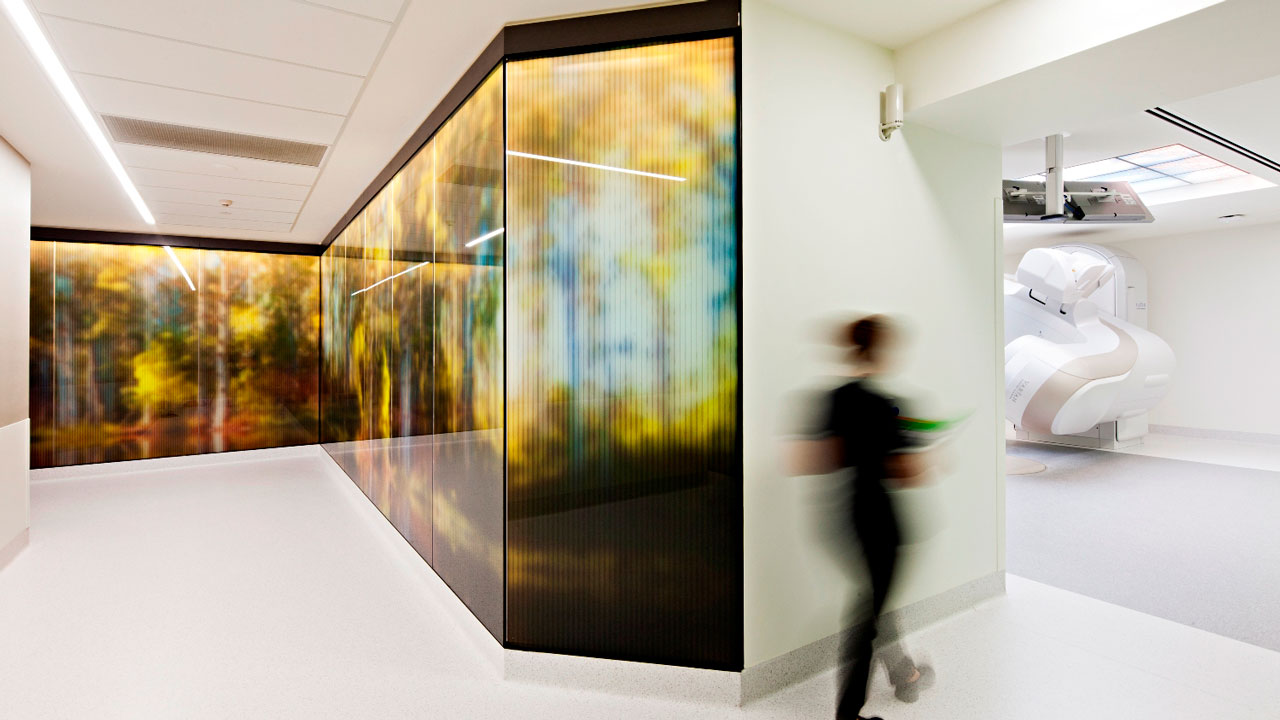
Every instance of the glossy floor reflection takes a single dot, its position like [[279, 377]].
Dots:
[[444, 494], [263, 585]]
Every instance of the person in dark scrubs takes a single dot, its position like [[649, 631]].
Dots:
[[862, 434]]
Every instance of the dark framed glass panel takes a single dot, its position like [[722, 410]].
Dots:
[[624, 491], [148, 352]]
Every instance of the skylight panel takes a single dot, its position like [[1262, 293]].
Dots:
[[1160, 183], [1132, 175], [1187, 165], [1222, 172], [1094, 169], [1169, 153]]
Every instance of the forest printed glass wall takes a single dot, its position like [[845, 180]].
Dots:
[[412, 352], [624, 488], [139, 354]]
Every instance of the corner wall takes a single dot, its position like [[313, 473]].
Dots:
[[1210, 296], [15, 298], [837, 222]]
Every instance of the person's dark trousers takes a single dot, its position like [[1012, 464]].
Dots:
[[876, 526]]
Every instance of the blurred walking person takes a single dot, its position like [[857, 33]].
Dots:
[[862, 433]]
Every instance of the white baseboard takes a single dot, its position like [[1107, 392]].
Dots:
[[1231, 435], [822, 655]]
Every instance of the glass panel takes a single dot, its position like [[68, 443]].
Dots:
[[142, 364], [624, 492], [1161, 183], [1222, 172], [1165, 154], [1191, 164], [469, 492], [414, 352], [1131, 175], [43, 358], [1093, 169]]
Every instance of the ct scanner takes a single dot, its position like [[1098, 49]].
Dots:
[[1080, 366]]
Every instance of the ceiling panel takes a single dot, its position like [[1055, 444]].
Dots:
[[111, 96], [888, 24], [220, 213], [191, 198], [210, 183], [145, 156], [1244, 114], [267, 28], [380, 9], [228, 223], [99, 50]]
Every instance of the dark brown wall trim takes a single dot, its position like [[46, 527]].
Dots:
[[179, 241], [553, 37]]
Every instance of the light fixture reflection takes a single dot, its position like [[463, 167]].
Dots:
[[482, 238], [174, 257], [39, 45], [579, 163], [392, 277]]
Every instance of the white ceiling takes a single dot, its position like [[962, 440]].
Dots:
[[356, 75], [1244, 114], [888, 23]]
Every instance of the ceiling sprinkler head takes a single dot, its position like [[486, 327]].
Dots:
[[225, 203]]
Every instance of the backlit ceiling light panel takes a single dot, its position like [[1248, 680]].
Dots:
[[22, 19], [1163, 168]]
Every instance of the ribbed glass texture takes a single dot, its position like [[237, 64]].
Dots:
[[413, 352], [129, 361], [624, 492]]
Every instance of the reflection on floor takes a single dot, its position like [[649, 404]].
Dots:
[[264, 585], [1188, 541]]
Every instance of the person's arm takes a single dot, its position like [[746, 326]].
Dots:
[[824, 453], [908, 469], [815, 457]]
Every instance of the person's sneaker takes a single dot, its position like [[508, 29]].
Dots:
[[909, 692]]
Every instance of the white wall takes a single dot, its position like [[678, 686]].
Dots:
[[15, 338], [1212, 297], [837, 221]]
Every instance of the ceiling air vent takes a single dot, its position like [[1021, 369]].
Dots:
[[218, 142]]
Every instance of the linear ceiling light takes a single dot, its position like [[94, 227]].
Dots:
[[482, 238], [39, 45], [174, 257], [579, 163], [393, 277]]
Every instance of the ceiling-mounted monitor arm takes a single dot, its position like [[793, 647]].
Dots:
[[1054, 192]]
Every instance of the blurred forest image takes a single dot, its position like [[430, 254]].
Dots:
[[624, 492], [129, 362], [412, 370]]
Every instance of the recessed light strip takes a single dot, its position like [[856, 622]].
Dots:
[[1213, 137], [579, 163], [392, 277], [174, 257], [482, 238], [39, 45]]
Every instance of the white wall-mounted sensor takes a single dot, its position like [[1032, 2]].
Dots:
[[890, 110]]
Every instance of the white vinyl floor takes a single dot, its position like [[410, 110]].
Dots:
[[261, 585]]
